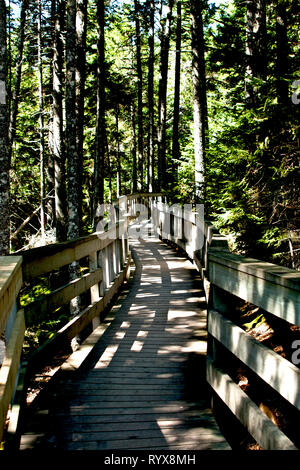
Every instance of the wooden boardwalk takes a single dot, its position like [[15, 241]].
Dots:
[[143, 384]]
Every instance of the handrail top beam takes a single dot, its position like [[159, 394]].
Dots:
[[262, 269], [54, 248], [8, 267]]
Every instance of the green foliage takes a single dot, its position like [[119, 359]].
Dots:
[[252, 161], [35, 292], [258, 320]]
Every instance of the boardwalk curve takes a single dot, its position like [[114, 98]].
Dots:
[[143, 384]]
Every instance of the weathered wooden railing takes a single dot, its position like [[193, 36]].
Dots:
[[106, 257], [227, 276]]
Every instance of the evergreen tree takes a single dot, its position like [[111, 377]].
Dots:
[[162, 95], [58, 147], [200, 105], [4, 154], [101, 111]]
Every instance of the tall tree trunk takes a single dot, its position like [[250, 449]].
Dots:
[[162, 98], [282, 52], [57, 125], [118, 156], [74, 189], [41, 123], [175, 136], [255, 46], [100, 125], [81, 25], [9, 60], [140, 97], [72, 154], [200, 106], [18, 74], [4, 155], [133, 150], [150, 98], [50, 184], [110, 193]]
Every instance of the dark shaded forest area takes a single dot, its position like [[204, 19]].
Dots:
[[197, 99]]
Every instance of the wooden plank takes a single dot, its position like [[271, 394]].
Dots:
[[9, 265], [258, 424], [95, 289], [35, 311], [17, 411], [191, 415], [113, 380], [278, 372], [183, 414], [128, 408], [274, 273], [210, 443], [93, 264], [10, 285], [99, 388], [9, 369], [280, 299], [175, 423], [180, 433]]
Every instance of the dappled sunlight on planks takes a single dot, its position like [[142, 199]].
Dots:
[[137, 346], [107, 356], [139, 388]]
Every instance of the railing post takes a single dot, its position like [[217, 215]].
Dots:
[[101, 263], [106, 276], [95, 294], [123, 244]]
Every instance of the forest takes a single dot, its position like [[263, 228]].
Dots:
[[197, 99]]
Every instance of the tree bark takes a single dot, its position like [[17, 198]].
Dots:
[[58, 147], [81, 26], [175, 136], [200, 106], [72, 154], [4, 154], [18, 74], [74, 189], [255, 46], [140, 97], [100, 125], [151, 162], [41, 123], [282, 52], [162, 99], [133, 149], [118, 155]]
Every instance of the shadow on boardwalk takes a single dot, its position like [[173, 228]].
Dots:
[[143, 385]]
